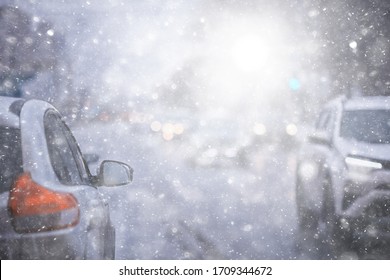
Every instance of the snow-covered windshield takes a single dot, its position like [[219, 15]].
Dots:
[[372, 126]]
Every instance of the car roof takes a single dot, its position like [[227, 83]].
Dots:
[[368, 103], [9, 112]]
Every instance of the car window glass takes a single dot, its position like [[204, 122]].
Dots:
[[323, 120], [329, 123], [82, 166], [10, 156], [372, 126], [61, 156]]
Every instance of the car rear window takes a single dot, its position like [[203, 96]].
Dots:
[[10, 157]]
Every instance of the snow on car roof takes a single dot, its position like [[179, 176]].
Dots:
[[368, 103], [7, 117]]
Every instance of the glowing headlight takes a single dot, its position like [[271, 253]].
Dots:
[[291, 129], [259, 129], [178, 128], [308, 170], [155, 126], [362, 163], [360, 169]]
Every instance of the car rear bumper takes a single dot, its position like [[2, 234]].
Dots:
[[64, 244]]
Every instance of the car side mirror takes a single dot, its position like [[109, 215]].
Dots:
[[321, 138], [114, 173]]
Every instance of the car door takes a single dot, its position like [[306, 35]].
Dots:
[[324, 133], [313, 161], [72, 172]]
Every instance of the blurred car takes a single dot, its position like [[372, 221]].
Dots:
[[50, 204], [277, 129], [219, 143], [343, 174], [172, 125]]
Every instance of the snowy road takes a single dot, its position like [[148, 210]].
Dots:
[[173, 211]]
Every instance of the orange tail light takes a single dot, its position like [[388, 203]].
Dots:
[[35, 208]]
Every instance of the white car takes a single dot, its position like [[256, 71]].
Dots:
[[343, 174], [50, 204]]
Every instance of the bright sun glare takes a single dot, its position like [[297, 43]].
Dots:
[[247, 62], [249, 53]]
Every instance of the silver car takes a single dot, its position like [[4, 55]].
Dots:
[[50, 204], [343, 174]]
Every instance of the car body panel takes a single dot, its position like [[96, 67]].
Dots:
[[92, 238], [7, 118]]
